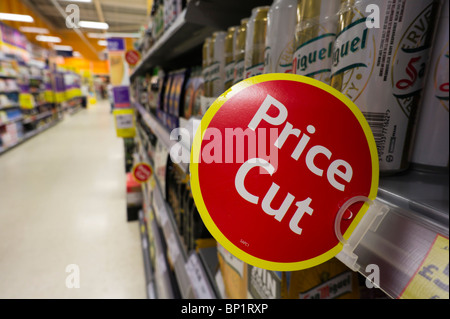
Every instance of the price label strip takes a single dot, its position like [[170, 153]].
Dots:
[[198, 278], [431, 279]]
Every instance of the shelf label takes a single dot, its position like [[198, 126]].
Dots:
[[174, 250], [197, 278], [274, 159], [431, 279], [142, 172], [125, 123]]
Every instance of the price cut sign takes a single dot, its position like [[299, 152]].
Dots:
[[142, 172], [274, 160]]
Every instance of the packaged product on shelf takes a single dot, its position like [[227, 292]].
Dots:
[[380, 64], [430, 151], [199, 92], [178, 104], [329, 280], [173, 92], [153, 89], [205, 66], [281, 22], [229, 57], [162, 79], [239, 52], [217, 66], [314, 38], [234, 274], [255, 42], [167, 92], [263, 283], [193, 91]]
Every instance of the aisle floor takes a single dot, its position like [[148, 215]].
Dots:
[[63, 214]]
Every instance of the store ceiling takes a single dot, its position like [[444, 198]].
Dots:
[[120, 15]]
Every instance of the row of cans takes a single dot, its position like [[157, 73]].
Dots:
[[384, 55]]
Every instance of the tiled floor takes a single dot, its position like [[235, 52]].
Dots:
[[63, 214]]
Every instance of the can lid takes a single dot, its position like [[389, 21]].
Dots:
[[233, 28], [244, 21]]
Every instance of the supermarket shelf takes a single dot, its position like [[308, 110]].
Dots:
[[186, 266], [163, 135], [161, 281], [4, 107], [16, 119], [188, 32], [417, 211], [151, 294], [38, 117], [29, 135]]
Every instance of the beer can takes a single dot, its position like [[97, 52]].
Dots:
[[229, 57], [205, 66], [379, 61], [217, 63], [314, 39], [239, 51], [280, 36], [431, 146], [255, 42]]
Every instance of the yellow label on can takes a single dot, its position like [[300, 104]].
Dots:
[[431, 279]]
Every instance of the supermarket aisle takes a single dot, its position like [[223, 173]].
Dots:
[[62, 202]]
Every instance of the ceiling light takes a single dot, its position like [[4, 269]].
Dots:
[[122, 35], [48, 38], [103, 43], [16, 17], [77, 0], [76, 54], [62, 48], [93, 25], [96, 35], [34, 30]]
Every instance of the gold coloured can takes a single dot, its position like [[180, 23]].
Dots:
[[205, 66], [314, 39], [380, 57], [239, 51], [217, 64], [255, 42], [229, 57]]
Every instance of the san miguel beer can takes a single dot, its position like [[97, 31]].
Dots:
[[255, 42], [431, 147], [380, 57], [205, 66], [314, 39], [281, 24], [239, 51], [217, 66], [229, 57]]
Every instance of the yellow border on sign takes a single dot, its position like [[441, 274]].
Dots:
[[134, 170], [195, 184]]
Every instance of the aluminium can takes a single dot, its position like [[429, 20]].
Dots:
[[217, 64], [255, 42], [281, 23], [431, 146], [239, 51], [314, 39], [380, 57], [229, 57], [205, 66]]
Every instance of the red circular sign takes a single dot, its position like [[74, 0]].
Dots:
[[277, 157], [132, 57], [142, 172]]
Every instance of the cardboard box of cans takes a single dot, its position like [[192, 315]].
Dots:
[[381, 54], [330, 280]]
